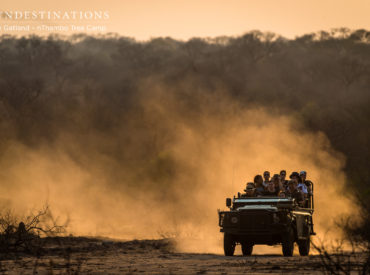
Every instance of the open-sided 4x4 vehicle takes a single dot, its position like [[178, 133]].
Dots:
[[266, 220]]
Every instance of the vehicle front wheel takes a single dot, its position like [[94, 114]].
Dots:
[[288, 243], [247, 249], [229, 244], [304, 246]]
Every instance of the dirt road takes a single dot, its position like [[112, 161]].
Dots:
[[94, 256]]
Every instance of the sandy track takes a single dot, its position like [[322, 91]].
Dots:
[[93, 256]]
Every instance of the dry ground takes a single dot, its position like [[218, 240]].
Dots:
[[95, 256]]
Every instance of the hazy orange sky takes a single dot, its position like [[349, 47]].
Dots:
[[182, 19]]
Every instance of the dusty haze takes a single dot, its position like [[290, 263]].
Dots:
[[167, 166]]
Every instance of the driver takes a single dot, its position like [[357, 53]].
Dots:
[[250, 190]]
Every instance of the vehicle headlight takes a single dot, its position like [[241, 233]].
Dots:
[[234, 219]]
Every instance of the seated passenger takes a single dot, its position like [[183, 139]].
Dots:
[[302, 187], [276, 181], [271, 190], [250, 191], [307, 183], [283, 181], [282, 194], [292, 190], [258, 180], [266, 176]]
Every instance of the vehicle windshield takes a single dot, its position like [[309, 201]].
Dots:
[[239, 202]]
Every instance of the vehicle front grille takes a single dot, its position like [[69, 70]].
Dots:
[[255, 221]]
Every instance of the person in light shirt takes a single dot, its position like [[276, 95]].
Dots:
[[307, 183]]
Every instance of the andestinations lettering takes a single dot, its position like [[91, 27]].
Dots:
[[54, 15]]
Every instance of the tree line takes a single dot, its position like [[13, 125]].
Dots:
[[54, 84]]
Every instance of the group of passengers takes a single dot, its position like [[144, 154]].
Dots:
[[298, 187]]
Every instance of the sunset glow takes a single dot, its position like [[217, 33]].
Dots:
[[145, 19]]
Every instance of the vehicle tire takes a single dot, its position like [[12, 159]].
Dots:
[[288, 243], [304, 246], [247, 249], [229, 244]]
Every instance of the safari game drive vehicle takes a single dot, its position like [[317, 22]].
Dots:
[[266, 220]]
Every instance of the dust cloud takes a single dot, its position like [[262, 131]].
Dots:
[[168, 167]]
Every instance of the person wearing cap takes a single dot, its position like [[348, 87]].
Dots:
[[294, 176], [250, 190], [309, 186], [301, 186], [307, 183], [266, 176]]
